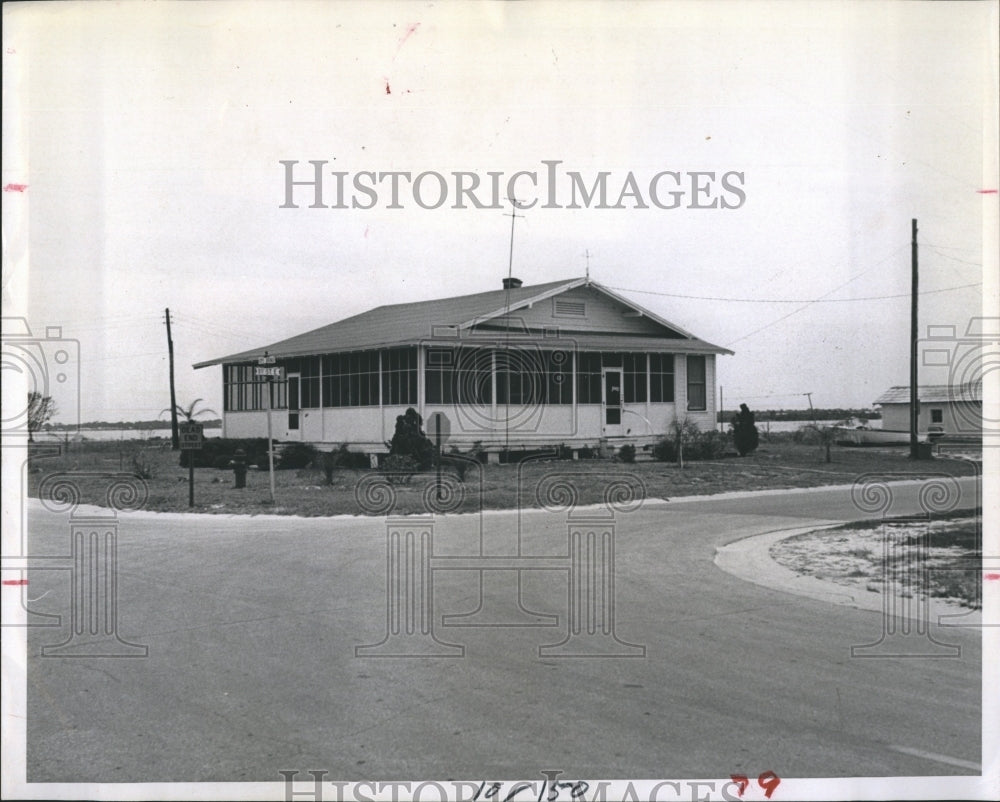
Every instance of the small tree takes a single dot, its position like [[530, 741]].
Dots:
[[40, 409], [826, 436], [409, 440], [745, 434], [189, 413]]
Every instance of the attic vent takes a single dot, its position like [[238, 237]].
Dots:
[[569, 308]]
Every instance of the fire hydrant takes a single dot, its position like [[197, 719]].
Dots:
[[239, 464]]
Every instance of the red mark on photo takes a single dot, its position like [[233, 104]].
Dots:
[[15, 187], [986, 191], [768, 781], [991, 577], [388, 91], [15, 581], [410, 30]]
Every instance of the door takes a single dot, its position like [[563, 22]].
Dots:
[[293, 405], [612, 403]]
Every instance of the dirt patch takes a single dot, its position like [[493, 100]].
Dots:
[[939, 558]]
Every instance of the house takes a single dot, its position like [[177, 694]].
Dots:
[[518, 367], [943, 409]]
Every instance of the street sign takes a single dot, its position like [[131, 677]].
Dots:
[[265, 360], [275, 372], [438, 425], [192, 436]]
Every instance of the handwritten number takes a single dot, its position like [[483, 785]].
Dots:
[[769, 781], [742, 781]]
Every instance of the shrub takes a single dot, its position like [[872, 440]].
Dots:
[[745, 434], [296, 455], [687, 442], [342, 457], [586, 453], [409, 440], [141, 466], [217, 452], [399, 468], [627, 453]]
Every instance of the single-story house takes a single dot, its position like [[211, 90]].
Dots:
[[518, 367], [943, 409]]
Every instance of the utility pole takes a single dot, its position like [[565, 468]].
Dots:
[[812, 412], [914, 392], [175, 439]]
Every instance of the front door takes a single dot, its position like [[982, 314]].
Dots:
[[293, 406], [612, 403]]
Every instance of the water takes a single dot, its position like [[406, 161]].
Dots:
[[113, 434]]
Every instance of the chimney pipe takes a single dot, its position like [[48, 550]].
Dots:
[[512, 283]]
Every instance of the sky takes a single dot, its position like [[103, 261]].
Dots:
[[142, 171]]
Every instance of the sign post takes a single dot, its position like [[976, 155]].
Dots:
[[441, 426], [192, 437], [270, 373]]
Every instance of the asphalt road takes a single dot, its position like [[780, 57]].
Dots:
[[251, 626]]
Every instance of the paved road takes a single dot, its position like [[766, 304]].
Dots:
[[252, 624]]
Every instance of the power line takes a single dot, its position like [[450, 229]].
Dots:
[[823, 300]]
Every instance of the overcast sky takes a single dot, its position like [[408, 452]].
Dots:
[[149, 139]]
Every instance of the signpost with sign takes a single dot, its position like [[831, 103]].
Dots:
[[269, 372], [192, 438]]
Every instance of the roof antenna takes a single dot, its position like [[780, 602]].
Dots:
[[510, 275], [587, 254]]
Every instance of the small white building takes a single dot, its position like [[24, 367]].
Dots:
[[519, 367], [943, 409]]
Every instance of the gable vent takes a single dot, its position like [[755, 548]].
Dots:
[[569, 308]]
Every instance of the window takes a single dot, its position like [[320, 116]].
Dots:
[[588, 379], [399, 376], [350, 380], [242, 391], [696, 383], [937, 416], [661, 378], [559, 370], [634, 378], [309, 382], [474, 376], [520, 376], [439, 375]]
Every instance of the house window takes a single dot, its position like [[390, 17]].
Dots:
[[399, 376], [309, 382], [937, 416], [521, 376], [439, 375], [661, 378], [350, 380], [696, 383], [242, 391], [474, 376], [588, 379], [559, 372], [634, 378]]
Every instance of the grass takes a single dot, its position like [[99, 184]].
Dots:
[[305, 492]]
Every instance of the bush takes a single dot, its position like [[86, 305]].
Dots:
[[586, 453], [218, 452], [745, 434], [409, 440], [342, 457], [399, 468], [627, 453], [296, 455], [141, 465], [697, 445]]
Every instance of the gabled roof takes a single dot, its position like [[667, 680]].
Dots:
[[446, 319], [933, 394]]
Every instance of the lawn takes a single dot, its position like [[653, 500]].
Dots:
[[776, 464]]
